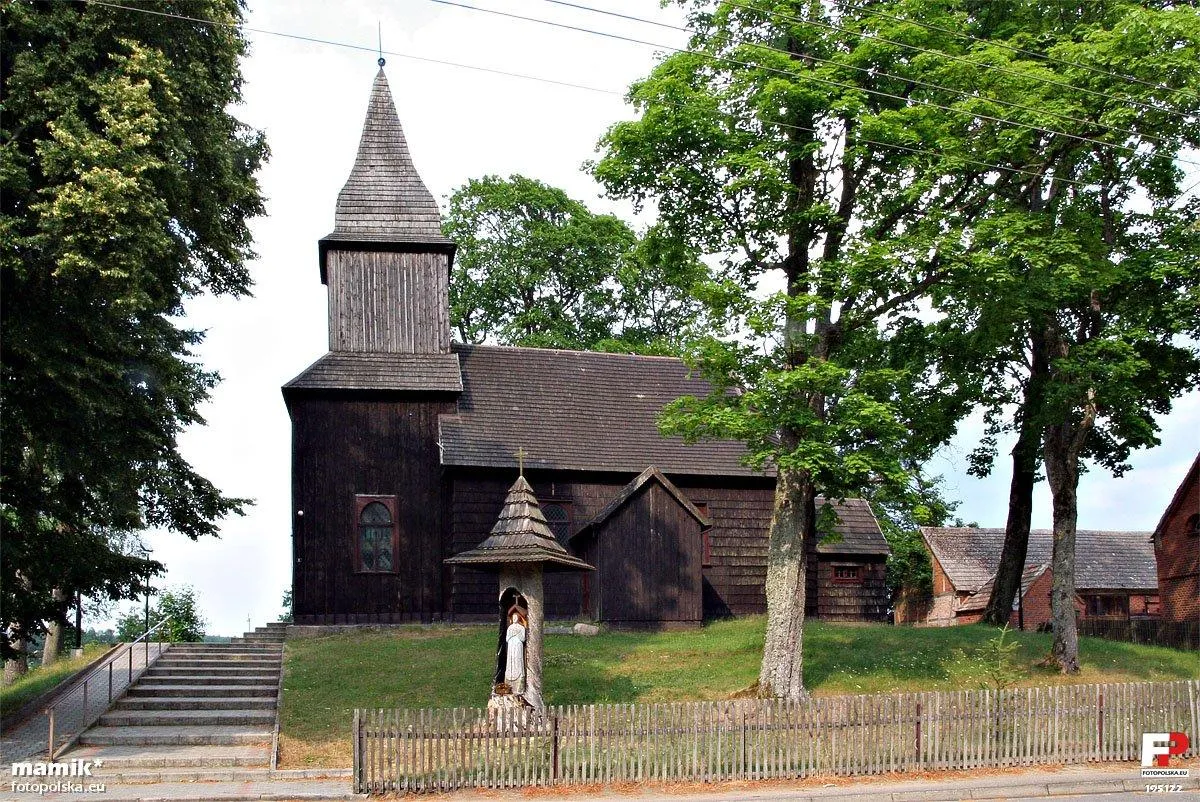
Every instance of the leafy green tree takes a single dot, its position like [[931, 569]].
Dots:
[[538, 268], [1042, 233], [178, 607], [853, 156], [1085, 286], [762, 148], [286, 603], [127, 186]]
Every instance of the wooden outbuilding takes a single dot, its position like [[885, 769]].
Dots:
[[404, 447], [648, 549]]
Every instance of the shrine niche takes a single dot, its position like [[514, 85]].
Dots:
[[520, 549]]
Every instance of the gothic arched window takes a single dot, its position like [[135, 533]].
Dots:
[[558, 516], [377, 534]]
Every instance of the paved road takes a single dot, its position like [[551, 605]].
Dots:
[[30, 737]]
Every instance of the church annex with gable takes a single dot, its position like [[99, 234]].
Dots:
[[405, 443]]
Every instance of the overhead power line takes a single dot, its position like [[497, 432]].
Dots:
[[1033, 173], [794, 76], [350, 46], [1021, 51], [873, 72]]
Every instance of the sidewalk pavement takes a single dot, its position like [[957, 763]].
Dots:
[[30, 737], [1069, 781]]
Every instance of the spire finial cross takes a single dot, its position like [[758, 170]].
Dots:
[[381, 60], [521, 460]]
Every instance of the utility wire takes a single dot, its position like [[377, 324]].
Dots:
[[1021, 51], [347, 45], [873, 72], [794, 76], [1041, 175]]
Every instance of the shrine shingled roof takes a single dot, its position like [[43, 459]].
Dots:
[[521, 535]]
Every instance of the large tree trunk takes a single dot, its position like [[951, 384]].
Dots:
[[52, 647], [782, 673], [18, 666], [1062, 470], [1020, 493]]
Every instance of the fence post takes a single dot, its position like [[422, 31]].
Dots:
[[554, 748], [920, 758], [357, 749], [1100, 724], [50, 752], [745, 771]]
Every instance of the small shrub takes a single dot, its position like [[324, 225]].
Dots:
[[992, 666]]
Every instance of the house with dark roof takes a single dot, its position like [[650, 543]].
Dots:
[[1177, 546], [405, 443], [1115, 575]]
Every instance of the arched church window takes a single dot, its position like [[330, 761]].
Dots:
[[558, 516], [377, 534]]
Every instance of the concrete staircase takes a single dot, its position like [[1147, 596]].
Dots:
[[202, 711]]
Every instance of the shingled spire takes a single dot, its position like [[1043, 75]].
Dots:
[[386, 262], [521, 535], [384, 198]]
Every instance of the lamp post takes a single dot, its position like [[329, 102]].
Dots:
[[146, 556]]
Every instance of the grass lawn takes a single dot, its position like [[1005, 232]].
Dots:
[[326, 678], [42, 679]]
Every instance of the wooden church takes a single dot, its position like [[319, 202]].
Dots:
[[404, 445]]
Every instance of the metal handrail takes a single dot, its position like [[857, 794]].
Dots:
[[125, 651]]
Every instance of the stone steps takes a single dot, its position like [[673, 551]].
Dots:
[[201, 712], [206, 660], [204, 689], [198, 702], [215, 672], [156, 718], [182, 735], [193, 679], [123, 757]]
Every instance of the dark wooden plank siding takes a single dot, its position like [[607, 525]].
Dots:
[[865, 600], [349, 444], [648, 557], [385, 301]]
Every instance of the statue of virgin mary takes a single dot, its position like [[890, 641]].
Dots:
[[514, 666]]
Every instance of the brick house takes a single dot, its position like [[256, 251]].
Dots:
[[1177, 548], [1115, 575]]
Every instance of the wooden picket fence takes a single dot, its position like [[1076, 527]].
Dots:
[[448, 749]]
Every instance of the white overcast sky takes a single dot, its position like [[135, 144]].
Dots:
[[310, 99]]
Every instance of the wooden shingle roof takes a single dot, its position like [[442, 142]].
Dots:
[[576, 410], [857, 529], [364, 370], [521, 535], [384, 201], [1104, 560]]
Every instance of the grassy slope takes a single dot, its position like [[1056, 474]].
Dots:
[[42, 679], [327, 677]]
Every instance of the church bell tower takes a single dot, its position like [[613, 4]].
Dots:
[[386, 263]]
